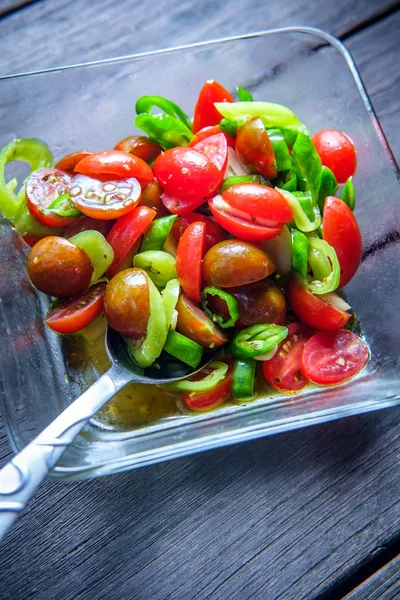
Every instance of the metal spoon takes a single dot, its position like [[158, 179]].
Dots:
[[20, 477]]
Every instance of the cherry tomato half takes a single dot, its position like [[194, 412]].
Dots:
[[59, 268], [69, 162], [207, 400], [189, 256], [104, 200], [152, 197], [215, 148], [312, 310], [340, 229], [233, 262], [205, 113], [73, 314], [115, 164], [126, 232], [214, 233], [42, 188], [255, 148], [209, 131], [141, 146], [337, 152], [197, 326], [88, 224], [187, 176], [283, 372], [333, 356]]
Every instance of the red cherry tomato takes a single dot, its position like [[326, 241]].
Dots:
[[104, 200], [205, 113], [141, 146], [188, 178], [189, 256], [115, 164], [207, 400], [209, 131], [340, 230], [255, 148], [69, 162], [312, 310], [282, 372], [73, 314], [214, 233], [333, 356], [337, 152], [42, 188], [251, 211], [125, 233], [215, 148]]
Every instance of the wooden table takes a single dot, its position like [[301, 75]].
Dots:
[[313, 513]]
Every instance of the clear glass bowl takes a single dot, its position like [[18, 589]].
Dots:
[[92, 106]]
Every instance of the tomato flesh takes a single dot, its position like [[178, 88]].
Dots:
[[209, 131], [337, 152], [282, 372], [207, 400], [215, 148], [189, 256], [104, 200], [205, 113], [74, 314], [312, 310], [340, 229], [115, 164], [331, 357], [43, 187], [126, 232]]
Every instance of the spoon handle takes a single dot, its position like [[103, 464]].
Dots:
[[20, 477]]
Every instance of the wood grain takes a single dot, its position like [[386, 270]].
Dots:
[[289, 517], [383, 585]]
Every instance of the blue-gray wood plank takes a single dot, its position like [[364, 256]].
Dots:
[[292, 516]]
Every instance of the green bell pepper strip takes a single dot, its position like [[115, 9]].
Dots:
[[165, 130], [328, 186], [229, 126], [243, 379], [230, 301], [26, 224], [328, 283], [307, 163], [306, 203], [98, 250], [256, 340], [319, 263], [159, 266], [64, 207], [272, 115], [348, 194], [146, 103], [157, 233], [183, 348], [209, 382], [243, 94], [170, 297], [146, 353], [300, 252], [281, 150], [303, 223], [237, 179], [29, 150], [289, 183]]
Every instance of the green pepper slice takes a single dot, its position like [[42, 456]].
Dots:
[[157, 233], [243, 379], [320, 254], [230, 301], [219, 370], [348, 194], [98, 250], [183, 348], [281, 150], [299, 252], [159, 266], [146, 103], [165, 130], [303, 222], [243, 94], [256, 340], [328, 186]]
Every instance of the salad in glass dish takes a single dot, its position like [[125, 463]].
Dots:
[[226, 231]]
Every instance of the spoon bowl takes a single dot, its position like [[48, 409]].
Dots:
[[20, 477]]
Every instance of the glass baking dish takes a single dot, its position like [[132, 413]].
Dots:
[[92, 106]]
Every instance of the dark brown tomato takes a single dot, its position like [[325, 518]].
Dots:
[[59, 268], [261, 302], [87, 223], [141, 146], [234, 262], [255, 148], [127, 303], [194, 324], [152, 197]]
